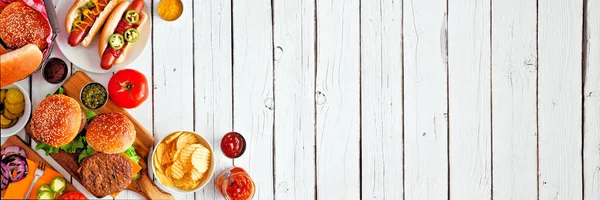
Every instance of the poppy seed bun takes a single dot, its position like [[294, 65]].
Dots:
[[56, 120], [110, 133]]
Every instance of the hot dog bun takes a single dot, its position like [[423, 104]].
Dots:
[[74, 13], [18, 64], [110, 26]]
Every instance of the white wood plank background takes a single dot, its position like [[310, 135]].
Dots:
[[381, 99]]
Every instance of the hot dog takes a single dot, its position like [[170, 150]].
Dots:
[[85, 18], [121, 29]]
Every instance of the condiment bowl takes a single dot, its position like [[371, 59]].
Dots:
[[26, 113], [81, 95], [203, 181]]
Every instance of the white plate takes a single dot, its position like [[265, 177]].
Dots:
[[26, 113], [87, 58]]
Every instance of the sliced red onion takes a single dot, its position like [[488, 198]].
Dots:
[[10, 150], [5, 177], [18, 164]]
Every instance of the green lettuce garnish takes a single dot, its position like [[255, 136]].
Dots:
[[46, 147], [88, 151], [130, 152], [72, 147], [89, 115]]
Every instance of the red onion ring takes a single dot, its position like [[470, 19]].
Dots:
[[5, 178], [10, 150], [16, 163]]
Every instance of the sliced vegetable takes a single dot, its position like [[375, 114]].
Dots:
[[44, 187], [10, 150], [46, 147], [85, 153], [130, 152], [116, 41], [132, 16], [16, 167], [5, 177], [58, 184], [89, 115], [45, 195], [131, 35], [72, 147], [73, 196]]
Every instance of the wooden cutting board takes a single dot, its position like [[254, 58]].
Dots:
[[33, 156], [143, 143]]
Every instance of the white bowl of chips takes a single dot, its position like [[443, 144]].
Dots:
[[183, 162]]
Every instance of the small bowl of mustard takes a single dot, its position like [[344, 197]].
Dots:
[[93, 95], [170, 10]]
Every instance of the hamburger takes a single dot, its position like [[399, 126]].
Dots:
[[56, 121], [108, 161], [114, 164], [23, 30]]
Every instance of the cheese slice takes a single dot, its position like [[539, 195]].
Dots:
[[18, 190]]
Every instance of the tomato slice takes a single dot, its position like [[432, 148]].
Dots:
[[72, 196]]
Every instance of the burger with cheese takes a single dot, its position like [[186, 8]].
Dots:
[[108, 161]]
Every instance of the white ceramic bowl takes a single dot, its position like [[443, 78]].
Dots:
[[26, 113], [203, 181]]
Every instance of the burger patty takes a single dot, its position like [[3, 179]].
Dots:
[[105, 174]]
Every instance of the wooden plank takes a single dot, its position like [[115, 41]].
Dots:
[[559, 100], [591, 152], [253, 90], [425, 100], [173, 76], [514, 98], [382, 90], [469, 99], [338, 99], [294, 41], [213, 80]]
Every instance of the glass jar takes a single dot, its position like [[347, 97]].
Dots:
[[235, 184]]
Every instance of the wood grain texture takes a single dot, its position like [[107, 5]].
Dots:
[[294, 62], [425, 100], [559, 107], [591, 152], [469, 99], [514, 97], [253, 103], [173, 76], [381, 99], [213, 67], [338, 99]]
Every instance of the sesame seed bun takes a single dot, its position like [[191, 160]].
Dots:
[[110, 133], [56, 121], [21, 25]]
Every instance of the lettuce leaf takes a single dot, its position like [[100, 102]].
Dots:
[[88, 151], [46, 147], [89, 115], [130, 152], [72, 147]]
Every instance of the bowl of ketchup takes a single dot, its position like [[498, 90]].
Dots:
[[233, 145]]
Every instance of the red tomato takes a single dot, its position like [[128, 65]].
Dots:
[[233, 145], [128, 88], [72, 196]]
